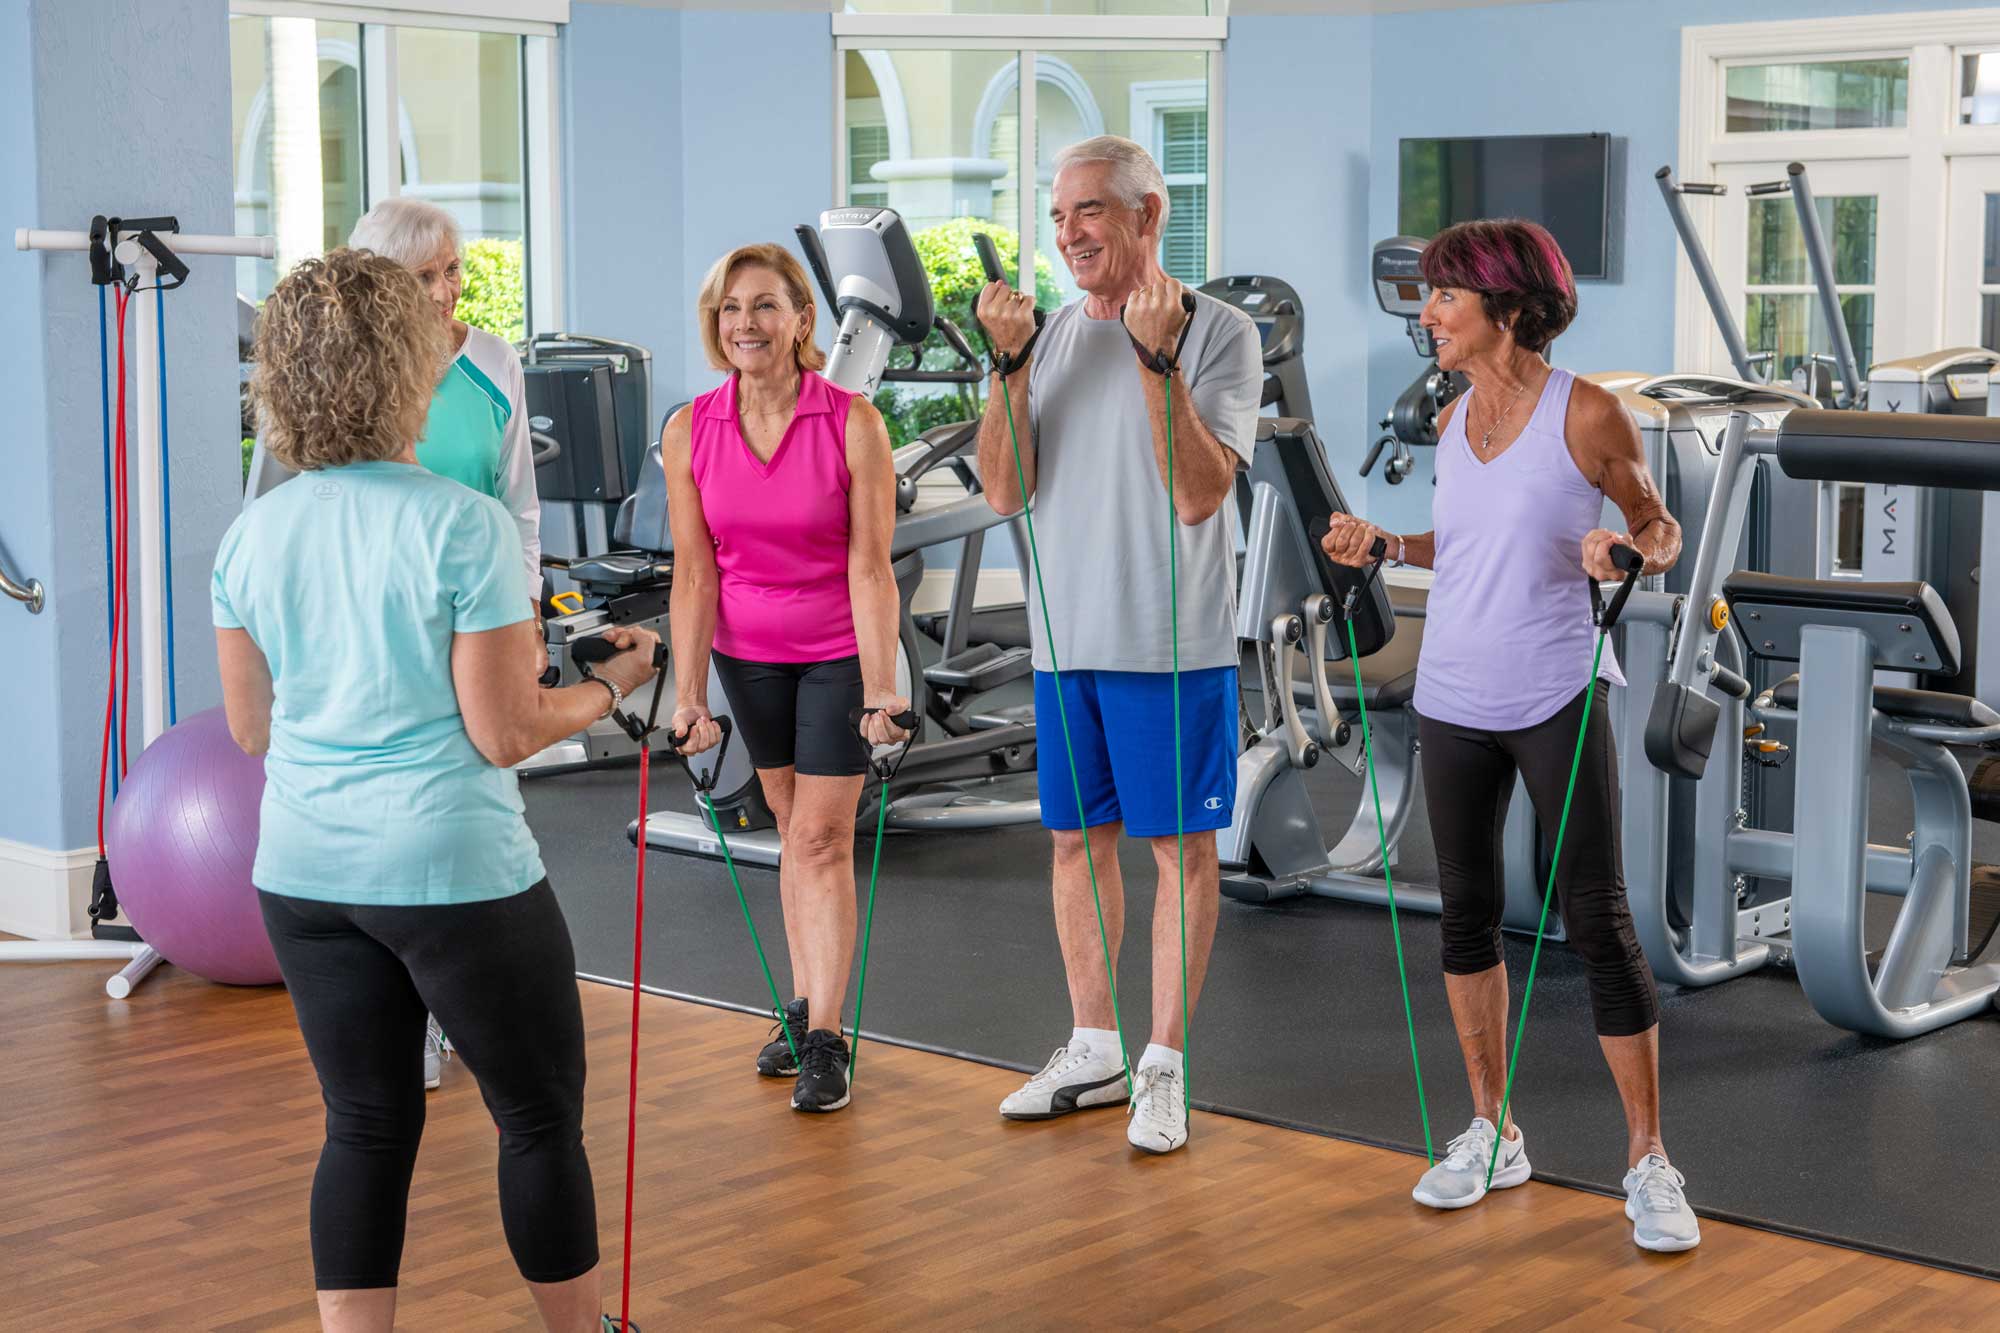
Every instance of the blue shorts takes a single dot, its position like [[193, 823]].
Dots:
[[1121, 726]]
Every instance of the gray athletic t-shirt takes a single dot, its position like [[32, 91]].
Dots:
[[1100, 506]]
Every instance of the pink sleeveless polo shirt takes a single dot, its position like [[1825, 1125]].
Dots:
[[780, 528]]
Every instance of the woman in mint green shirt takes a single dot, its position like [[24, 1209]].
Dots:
[[370, 620]]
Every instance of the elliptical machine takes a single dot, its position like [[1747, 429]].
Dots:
[[1413, 421]]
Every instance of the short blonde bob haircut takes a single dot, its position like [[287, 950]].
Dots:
[[348, 354], [790, 272]]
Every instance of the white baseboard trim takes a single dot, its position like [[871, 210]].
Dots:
[[45, 895], [995, 587]]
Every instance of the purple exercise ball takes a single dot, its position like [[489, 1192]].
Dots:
[[181, 839]]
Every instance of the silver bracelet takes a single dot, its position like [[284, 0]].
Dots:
[[617, 695]]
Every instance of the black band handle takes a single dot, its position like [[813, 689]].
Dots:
[[907, 720], [1004, 363], [1632, 563], [1159, 362], [676, 739]]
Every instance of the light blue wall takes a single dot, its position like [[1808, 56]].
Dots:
[[30, 800], [625, 198], [757, 118], [1607, 65], [1295, 167], [688, 133], [120, 107]]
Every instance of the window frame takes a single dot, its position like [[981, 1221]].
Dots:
[[536, 24], [1927, 144], [1027, 37]]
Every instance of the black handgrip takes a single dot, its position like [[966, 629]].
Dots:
[[907, 719], [1625, 558], [815, 254], [1728, 682], [1368, 463], [1153, 359], [989, 257], [954, 339], [592, 649], [676, 739]]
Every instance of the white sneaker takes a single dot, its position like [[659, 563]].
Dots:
[[1159, 1110], [1459, 1181], [435, 1047], [1656, 1201], [1073, 1080]]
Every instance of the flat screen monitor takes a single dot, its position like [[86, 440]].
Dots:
[[1559, 180]]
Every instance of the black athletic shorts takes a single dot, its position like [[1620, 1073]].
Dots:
[[795, 714]]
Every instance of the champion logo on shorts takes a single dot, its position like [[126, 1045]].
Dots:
[[1212, 803]]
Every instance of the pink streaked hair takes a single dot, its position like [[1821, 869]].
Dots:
[[1514, 265]]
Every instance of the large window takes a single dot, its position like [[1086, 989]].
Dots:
[[330, 117], [962, 136], [1890, 114], [1783, 315]]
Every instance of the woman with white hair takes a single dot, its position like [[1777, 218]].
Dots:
[[477, 432]]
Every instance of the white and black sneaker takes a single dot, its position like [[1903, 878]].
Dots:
[[776, 1059], [1076, 1078], [822, 1084], [1159, 1110]]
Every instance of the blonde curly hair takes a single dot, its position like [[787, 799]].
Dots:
[[349, 350]]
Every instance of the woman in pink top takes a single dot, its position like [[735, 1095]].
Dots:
[[781, 494]]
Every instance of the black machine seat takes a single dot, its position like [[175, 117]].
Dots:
[[620, 569], [1951, 710], [1907, 622]]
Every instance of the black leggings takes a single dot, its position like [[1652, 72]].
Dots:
[[501, 978], [1468, 779]]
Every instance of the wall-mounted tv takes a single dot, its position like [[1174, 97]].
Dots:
[[1562, 181]]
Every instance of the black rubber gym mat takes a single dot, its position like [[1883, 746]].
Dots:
[[1777, 1118]]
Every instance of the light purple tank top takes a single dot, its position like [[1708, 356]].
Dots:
[[1507, 632]]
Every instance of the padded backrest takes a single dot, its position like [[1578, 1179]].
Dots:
[[1290, 458], [1907, 624], [1892, 448]]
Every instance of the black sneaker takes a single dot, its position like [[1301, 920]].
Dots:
[[776, 1059], [822, 1084]]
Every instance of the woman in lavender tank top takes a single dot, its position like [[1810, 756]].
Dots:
[[781, 495], [1526, 458]]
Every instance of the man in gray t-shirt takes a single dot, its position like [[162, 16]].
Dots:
[[1094, 416]]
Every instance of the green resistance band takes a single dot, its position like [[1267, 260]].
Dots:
[[704, 789], [1382, 839], [884, 770], [1630, 561]]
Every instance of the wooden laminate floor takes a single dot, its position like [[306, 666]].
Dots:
[[155, 1156]]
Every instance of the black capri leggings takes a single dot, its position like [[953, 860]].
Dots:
[[501, 978], [1468, 778], [797, 714]]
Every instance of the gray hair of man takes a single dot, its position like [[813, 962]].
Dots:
[[408, 231], [1134, 173]]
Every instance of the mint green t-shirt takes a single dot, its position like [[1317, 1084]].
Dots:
[[465, 428], [352, 581]]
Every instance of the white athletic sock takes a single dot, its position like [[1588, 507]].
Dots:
[[1157, 1055], [1101, 1040]]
